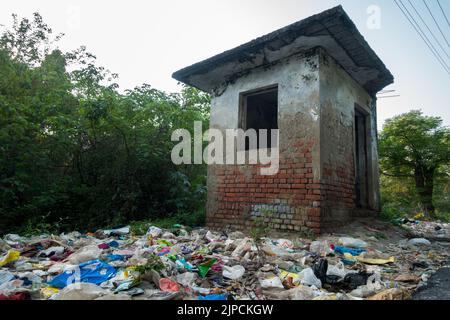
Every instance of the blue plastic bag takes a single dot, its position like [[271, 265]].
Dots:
[[213, 297], [353, 252], [94, 271]]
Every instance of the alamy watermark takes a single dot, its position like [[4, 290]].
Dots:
[[229, 146]]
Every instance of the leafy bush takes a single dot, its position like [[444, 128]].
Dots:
[[78, 154]]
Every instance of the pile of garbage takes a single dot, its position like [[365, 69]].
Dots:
[[200, 264], [428, 229]]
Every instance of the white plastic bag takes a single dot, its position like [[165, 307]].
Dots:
[[273, 282], [186, 279], [307, 277], [419, 241], [233, 273], [91, 252], [321, 247], [154, 232], [80, 291], [352, 243], [373, 285], [337, 270]]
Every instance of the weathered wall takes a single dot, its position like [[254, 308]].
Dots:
[[237, 193], [315, 186], [338, 95]]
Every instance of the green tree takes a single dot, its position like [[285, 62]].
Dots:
[[75, 153], [416, 146]]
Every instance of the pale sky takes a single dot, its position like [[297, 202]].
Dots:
[[146, 41]]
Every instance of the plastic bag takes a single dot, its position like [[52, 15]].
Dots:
[[80, 291], [373, 285], [52, 251], [205, 267], [284, 275], [213, 297], [285, 243], [419, 242], [5, 276], [117, 232], [308, 277], [337, 270], [243, 246], [154, 232], [323, 247], [168, 285], [352, 243], [186, 279], [11, 255], [94, 271], [352, 251], [320, 270], [273, 282], [88, 253], [233, 273]]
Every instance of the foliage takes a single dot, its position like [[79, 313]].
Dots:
[[415, 149], [78, 154], [260, 226], [153, 263]]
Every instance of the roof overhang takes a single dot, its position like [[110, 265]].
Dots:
[[332, 30]]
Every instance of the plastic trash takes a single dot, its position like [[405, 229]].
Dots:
[[419, 242], [5, 276], [320, 270], [168, 285], [408, 278], [88, 253], [11, 256], [117, 232], [284, 275], [186, 279], [354, 280], [374, 261], [337, 270], [352, 242], [307, 277], [352, 251], [80, 291], [94, 271], [52, 251], [271, 282], [242, 247], [392, 294], [285, 243], [16, 296], [233, 273], [372, 286], [183, 264], [322, 248], [204, 268], [213, 297], [154, 232]]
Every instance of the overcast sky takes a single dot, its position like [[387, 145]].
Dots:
[[146, 41]]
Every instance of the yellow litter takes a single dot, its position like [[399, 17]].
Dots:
[[48, 292], [11, 256], [285, 274], [362, 259]]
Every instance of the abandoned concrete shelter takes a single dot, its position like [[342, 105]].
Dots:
[[316, 81]]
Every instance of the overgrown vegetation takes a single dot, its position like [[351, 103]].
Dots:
[[78, 154]]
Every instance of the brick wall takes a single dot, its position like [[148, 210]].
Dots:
[[240, 193]]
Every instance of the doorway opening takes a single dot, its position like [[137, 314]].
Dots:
[[361, 159]]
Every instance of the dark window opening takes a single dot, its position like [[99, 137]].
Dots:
[[259, 110]]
